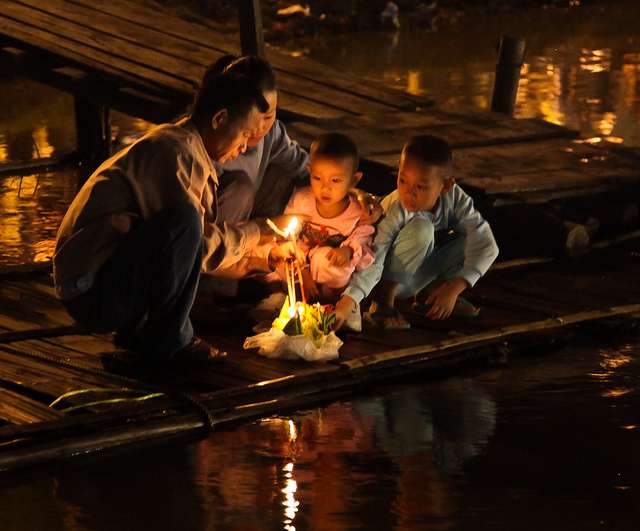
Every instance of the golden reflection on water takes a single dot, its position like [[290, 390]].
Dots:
[[4, 154], [611, 361], [42, 149], [32, 207]]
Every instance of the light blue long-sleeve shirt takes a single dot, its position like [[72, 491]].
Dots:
[[455, 211]]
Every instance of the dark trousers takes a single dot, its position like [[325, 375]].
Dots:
[[144, 292]]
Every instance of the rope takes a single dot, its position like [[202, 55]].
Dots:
[[209, 421]]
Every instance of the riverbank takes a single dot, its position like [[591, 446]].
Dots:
[[286, 19]]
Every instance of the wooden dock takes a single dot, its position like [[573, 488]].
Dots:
[[43, 355], [536, 182]]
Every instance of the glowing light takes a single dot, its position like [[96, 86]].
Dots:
[[293, 435], [4, 155], [612, 393], [42, 149], [291, 228], [290, 503]]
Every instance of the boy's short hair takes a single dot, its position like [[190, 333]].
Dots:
[[336, 146], [256, 68], [232, 91], [431, 150]]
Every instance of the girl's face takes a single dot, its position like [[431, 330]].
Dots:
[[331, 179], [267, 119]]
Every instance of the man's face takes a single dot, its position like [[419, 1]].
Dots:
[[229, 137]]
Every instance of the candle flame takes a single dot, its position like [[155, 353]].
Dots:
[[291, 227]]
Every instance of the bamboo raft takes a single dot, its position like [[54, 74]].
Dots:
[[537, 183], [44, 355]]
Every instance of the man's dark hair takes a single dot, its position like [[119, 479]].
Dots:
[[257, 69], [231, 91], [430, 150], [336, 146]]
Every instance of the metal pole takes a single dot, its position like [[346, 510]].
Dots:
[[505, 88], [251, 32]]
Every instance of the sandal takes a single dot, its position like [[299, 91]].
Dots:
[[198, 351], [462, 308], [379, 319]]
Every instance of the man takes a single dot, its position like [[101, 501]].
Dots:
[[133, 242]]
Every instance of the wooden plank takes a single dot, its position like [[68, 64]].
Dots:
[[93, 48], [218, 43], [354, 96], [17, 409], [378, 139]]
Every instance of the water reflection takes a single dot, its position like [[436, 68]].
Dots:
[[32, 208], [377, 462], [581, 67], [38, 123], [479, 451]]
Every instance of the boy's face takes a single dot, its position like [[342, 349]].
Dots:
[[266, 119], [228, 138], [331, 178], [420, 184]]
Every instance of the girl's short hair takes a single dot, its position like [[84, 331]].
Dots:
[[336, 146]]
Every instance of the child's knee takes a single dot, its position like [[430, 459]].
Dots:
[[324, 273], [417, 231]]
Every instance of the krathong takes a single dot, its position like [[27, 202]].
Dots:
[[301, 330], [310, 320]]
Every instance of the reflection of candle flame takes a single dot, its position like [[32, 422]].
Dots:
[[292, 311]]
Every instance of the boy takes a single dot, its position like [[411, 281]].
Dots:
[[409, 256], [133, 242]]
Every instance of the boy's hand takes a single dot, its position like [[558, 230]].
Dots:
[[340, 256], [371, 208], [342, 310], [444, 299]]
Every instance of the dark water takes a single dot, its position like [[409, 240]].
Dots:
[[546, 442], [541, 443]]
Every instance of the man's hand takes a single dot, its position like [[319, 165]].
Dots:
[[280, 254], [340, 256], [342, 310], [371, 208]]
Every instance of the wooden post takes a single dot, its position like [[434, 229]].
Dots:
[[505, 88], [93, 133], [251, 32]]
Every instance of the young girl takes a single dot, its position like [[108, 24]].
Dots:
[[333, 234]]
